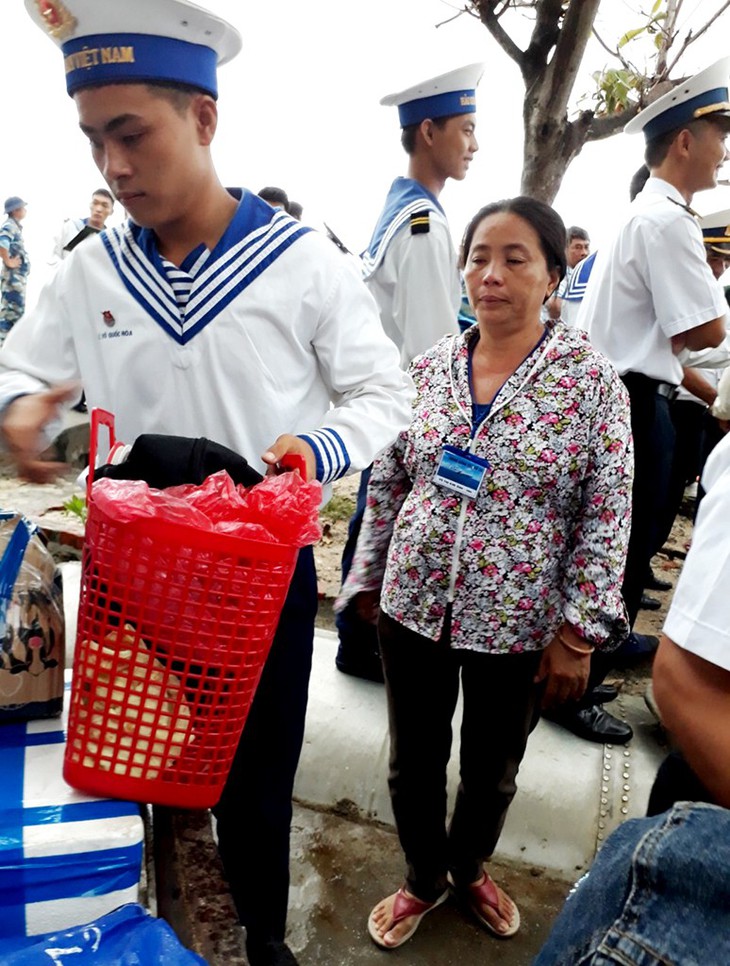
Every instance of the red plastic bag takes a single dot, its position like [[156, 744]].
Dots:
[[281, 509]]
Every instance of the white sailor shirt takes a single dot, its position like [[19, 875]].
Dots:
[[276, 334], [416, 284]]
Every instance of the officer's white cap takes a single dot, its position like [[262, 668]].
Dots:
[[442, 96], [716, 231], [704, 95], [147, 41]]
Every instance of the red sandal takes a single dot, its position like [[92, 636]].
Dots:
[[484, 893], [404, 907]]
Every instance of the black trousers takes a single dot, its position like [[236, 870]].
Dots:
[[255, 810], [501, 707], [358, 638], [653, 433], [688, 419]]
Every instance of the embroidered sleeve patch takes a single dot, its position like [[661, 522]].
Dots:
[[420, 222]]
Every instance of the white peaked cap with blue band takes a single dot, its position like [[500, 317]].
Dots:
[[716, 231], [705, 95], [442, 96], [142, 41]]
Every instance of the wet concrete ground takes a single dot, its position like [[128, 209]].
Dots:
[[341, 869]]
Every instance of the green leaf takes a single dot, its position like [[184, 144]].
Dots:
[[77, 506], [629, 35], [656, 7]]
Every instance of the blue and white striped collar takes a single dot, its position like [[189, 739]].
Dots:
[[406, 197], [255, 238]]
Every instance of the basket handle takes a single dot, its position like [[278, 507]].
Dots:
[[99, 417], [294, 461]]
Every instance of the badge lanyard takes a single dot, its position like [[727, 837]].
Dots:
[[462, 471]]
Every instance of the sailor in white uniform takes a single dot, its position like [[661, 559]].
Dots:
[[207, 314], [410, 266], [75, 230], [651, 292], [696, 430]]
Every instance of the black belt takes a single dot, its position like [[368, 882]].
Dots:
[[665, 389]]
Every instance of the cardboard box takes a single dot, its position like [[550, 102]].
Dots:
[[65, 858]]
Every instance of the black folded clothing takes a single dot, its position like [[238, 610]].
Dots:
[[163, 461]]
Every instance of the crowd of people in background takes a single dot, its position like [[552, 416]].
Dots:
[[525, 416]]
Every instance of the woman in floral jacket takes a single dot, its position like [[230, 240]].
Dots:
[[497, 527]]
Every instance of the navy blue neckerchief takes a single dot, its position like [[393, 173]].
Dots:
[[405, 198], [255, 238]]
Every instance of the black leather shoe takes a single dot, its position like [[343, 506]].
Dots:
[[593, 724], [649, 603], [636, 648], [270, 954], [362, 663], [656, 583], [602, 694]]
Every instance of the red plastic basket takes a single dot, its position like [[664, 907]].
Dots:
[[174, 627]]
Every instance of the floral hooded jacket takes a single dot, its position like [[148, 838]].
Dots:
[[545, 539]]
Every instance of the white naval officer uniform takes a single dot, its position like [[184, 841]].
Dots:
[[652, 283]]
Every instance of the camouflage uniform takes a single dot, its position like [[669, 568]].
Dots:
[[12, 280]]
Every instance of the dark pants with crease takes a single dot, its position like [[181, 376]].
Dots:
[[653, 432], [255, 810], [501, 707]]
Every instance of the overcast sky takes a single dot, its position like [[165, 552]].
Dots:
[[299, 109]]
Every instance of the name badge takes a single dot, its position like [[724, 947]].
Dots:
[[460, 471]]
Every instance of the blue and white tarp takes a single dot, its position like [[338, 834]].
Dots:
[[65, 857]]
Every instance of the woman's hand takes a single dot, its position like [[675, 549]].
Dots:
[[566, 673]]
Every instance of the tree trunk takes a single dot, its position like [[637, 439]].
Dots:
[[550, 146], [551, 140]]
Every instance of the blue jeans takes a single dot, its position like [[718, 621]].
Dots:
[[658, 893]]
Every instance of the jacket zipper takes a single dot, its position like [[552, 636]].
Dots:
[[454, 573]]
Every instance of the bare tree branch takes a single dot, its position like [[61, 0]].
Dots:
[[607, 125], [691, 37], [550, 63], [486, 10]]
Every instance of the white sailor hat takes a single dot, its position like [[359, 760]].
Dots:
[[704, 95], [147, 41], [716, 231], [442, 96]]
